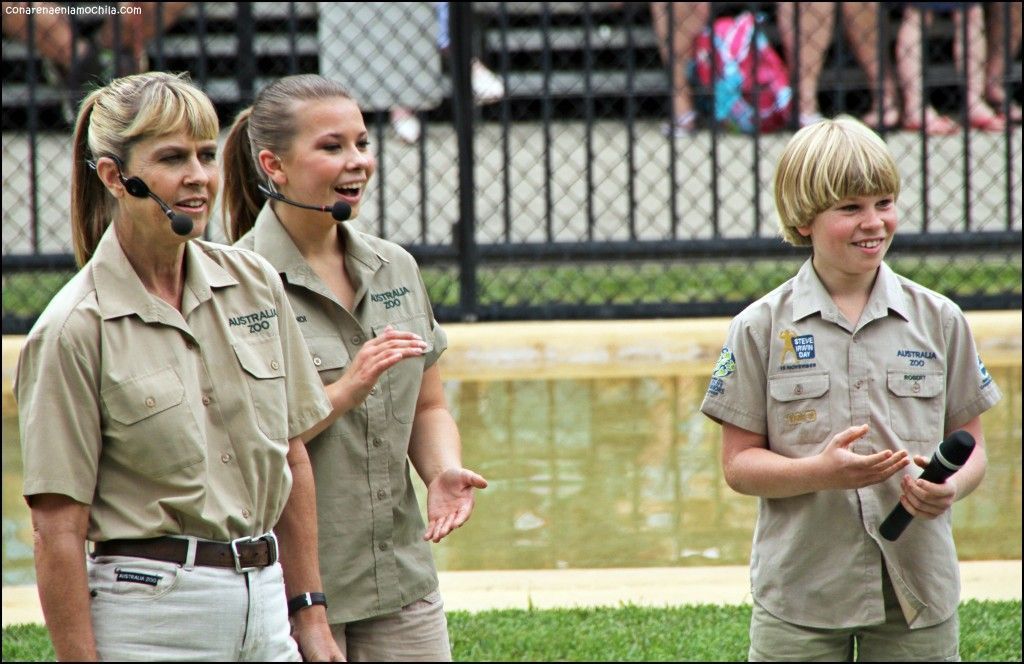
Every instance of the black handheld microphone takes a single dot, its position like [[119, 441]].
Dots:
[[180, 223], [950, 457], [340, 211]]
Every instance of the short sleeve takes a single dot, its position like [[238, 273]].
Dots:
[[439, 337], [59, 417], [970, 390], [736, 390]]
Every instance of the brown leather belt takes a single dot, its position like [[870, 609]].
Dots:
[[242, 554]]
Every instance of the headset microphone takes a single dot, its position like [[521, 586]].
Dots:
[[181, 224], [340, 211]]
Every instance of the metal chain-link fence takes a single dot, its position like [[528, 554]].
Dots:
[[544, 160]]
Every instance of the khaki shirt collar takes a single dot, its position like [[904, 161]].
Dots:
[[811, 297], [271, 240], [120, 292]]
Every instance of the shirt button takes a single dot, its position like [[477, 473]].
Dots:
[[189, 345], [225, 457], [377, 442], [206, 400], [150, 401], [246, 514], [274, 364], [799, 389], [916, 387], [357, 340], [317, 361], [381, 493], [858, 384], [373, 390], [383, 546]]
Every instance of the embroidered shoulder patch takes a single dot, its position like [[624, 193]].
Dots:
[[726, 363]]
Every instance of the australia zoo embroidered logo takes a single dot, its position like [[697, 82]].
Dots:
[[390, 298], [257, 321]]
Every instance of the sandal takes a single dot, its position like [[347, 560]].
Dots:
[[890, 118], [934, 124], [1014, 115], [995, 96], [987, 121]]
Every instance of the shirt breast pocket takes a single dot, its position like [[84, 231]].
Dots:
[[330, 357], [405, 377], [917, 406], [262, 362], [151, 427], [801, 408]]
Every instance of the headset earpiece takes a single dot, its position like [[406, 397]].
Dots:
[[134, 186]]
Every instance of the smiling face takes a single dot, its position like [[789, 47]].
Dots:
[[182, 171], [330, 158], [851, 238]]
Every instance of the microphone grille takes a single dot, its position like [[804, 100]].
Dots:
[[181, 224], [341, 211], [957, 447]]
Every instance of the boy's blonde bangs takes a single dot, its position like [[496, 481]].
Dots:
[[826, 163], [173, 106]]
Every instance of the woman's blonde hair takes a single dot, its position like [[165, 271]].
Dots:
[[111, 120], [269, 124], [825, 163]]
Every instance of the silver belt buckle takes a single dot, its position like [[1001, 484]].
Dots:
[[234, 553]]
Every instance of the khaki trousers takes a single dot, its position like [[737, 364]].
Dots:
[[772, 639], [416, 633], [149, 610]]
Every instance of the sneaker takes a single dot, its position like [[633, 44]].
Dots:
[[487, 88], [405, 124], [682, 126], [807, 119]]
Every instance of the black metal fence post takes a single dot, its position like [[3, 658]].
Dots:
[[461, 25], [245, 57]]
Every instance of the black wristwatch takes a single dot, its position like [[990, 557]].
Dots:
[[300, 602]]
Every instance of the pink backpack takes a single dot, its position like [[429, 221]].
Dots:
[[735, 101]]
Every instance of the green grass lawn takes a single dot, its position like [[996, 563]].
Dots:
[[989, 631], [26, 294]]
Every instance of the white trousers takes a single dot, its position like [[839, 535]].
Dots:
[[149, 610]]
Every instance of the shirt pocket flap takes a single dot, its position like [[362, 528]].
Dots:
[[140, 397], [905, 384], [260, 359], [328, 353], [795, 388], [417, 324]]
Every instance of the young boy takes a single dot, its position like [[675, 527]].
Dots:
[[826, 388]]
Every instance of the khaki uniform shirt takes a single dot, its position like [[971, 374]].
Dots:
[[372, 556], [794, 370], [167, 422]]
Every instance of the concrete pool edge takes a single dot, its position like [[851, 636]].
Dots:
[[652, 587], [535, 350]]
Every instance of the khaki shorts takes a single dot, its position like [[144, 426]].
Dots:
[[416, 633], [772, 639]]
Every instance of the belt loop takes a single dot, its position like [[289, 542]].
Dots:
[[190, 555]]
